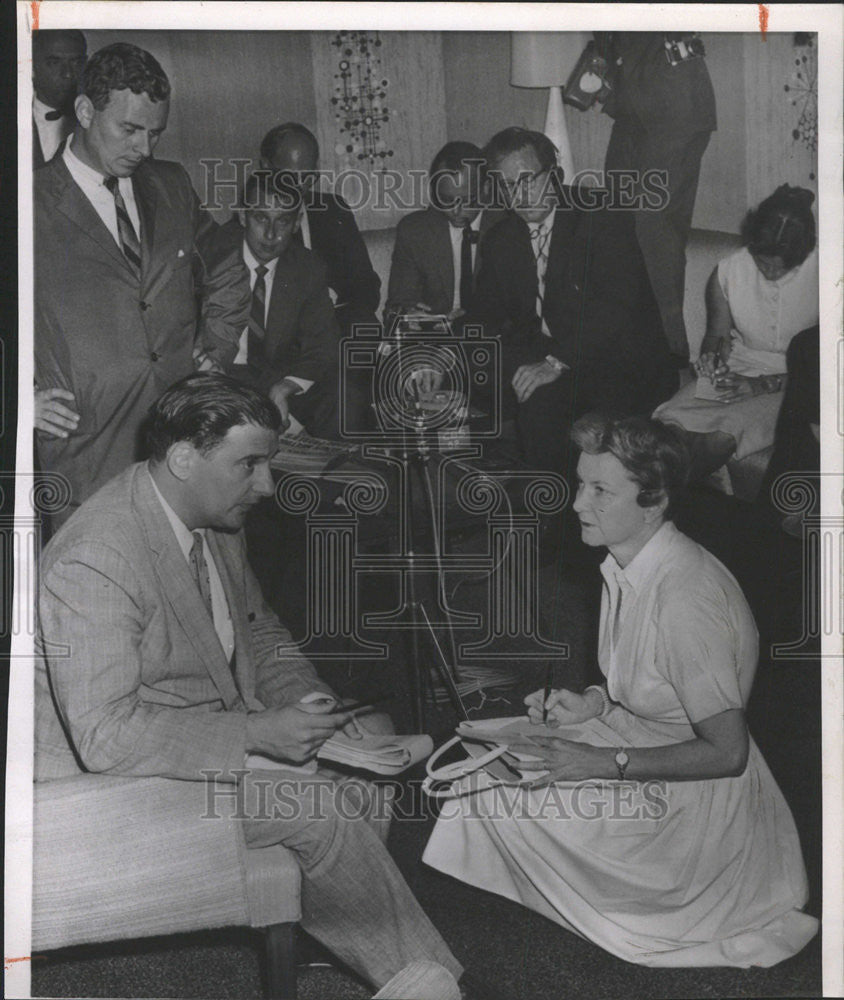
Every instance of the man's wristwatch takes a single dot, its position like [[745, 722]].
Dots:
[[622, 759], [555, 363]]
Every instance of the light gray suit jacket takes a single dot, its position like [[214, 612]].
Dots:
[[133, 679]]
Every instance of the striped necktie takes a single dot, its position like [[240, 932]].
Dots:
[[199, 570], [539, 240], [257, 330], [129, 243]]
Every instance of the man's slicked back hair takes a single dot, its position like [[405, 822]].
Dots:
[[201, 409]]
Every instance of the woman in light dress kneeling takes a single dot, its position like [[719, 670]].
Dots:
[[658, 831]]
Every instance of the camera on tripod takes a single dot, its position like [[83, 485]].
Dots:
[[422, 377]]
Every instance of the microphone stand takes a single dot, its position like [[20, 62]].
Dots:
[[415, 453]]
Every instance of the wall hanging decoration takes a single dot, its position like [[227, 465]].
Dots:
[[802, 91], [360, 100]]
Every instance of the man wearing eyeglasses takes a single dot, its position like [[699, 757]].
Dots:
[[563, 284]]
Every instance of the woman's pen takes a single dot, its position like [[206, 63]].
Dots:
[[716, 360], [549, 677]]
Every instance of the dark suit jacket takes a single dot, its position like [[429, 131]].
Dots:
[[135, 680], [649, 93], [598, 305], [37, 153], [115, 341], [302, 337], [422, 268], [337, 241]]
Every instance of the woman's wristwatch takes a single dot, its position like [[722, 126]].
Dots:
[[622, 759], [554, 363]]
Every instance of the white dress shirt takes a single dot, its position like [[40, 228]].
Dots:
[[50, 134], [220, 606], [456, 234], [93, 187]]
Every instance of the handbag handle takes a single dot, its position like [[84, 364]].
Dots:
[[460, 769]]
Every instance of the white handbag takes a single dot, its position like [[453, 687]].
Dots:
[[487, 755]]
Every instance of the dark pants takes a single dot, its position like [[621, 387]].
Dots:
[[796, 449], [545, 419], [663, 234]]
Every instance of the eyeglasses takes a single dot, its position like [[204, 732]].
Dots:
[[524, 183]]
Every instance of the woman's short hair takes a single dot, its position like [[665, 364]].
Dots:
[[123, 66], [782, 226], [654, 454], [201, 409]]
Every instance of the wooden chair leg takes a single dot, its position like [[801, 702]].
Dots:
[[281, 961]]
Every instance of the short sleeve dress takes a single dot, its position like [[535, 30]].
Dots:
[[695, 873], [766, 316]]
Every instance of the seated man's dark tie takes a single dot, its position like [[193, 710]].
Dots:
[[257, 329], [466, 276], [129, 243]]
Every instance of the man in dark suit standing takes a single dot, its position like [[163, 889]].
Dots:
[[118, 272], [437, 251], [327, 226], [663, 105], [289, 347], [58, 58], [564, 286]]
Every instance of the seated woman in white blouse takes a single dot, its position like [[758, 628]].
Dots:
[[757, 300], [658, 831]]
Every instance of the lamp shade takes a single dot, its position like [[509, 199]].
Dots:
[[544, 58]]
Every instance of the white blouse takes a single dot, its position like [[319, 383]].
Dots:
[[767, 314]]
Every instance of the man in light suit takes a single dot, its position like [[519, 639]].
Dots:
[[326, 226], [58, 58], [163, 659], [436, 245], [290, 346], [117, 275]]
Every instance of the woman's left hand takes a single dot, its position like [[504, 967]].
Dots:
[[566, 760], [738, 387]]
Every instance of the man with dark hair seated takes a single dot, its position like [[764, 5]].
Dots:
[[162, 659], [290, 347], [562, 282], [326, 226], [437, 251]]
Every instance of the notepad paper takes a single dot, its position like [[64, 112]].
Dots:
[[706, 389], [378, 754]]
